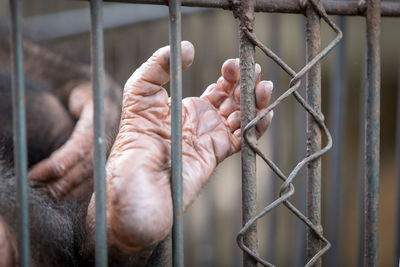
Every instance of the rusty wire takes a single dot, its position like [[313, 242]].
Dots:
[[287, 189]]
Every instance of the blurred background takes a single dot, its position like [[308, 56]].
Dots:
[[134, 32]]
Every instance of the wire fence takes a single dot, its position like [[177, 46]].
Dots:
[[243, 10]]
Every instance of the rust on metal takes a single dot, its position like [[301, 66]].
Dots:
[[314, 11], [314, 141], [372, 128], [287, 188], [248, 112], [345, 8]]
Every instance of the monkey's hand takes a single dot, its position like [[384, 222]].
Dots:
[[68, 170], [139, 208]]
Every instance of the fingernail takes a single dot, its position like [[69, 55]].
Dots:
[[187, 54], [270, 84], [230, 70], [186, 44], [258, 68]]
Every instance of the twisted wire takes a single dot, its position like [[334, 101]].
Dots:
[[287, 189]]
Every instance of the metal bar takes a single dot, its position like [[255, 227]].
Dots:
[[99, 131], [397, 229], [176, 130], [248, 112], [313, 96], [337, 107], [347, 8], [372, 113], [19, 132]]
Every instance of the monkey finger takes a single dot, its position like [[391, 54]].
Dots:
[[77, 176], [78, 99], [264, 123], [78, 148], [236, 140], [218, 92], [230, 70], [263, 94], [236, 93], [228, 106], [148, 78], [234, 121], [214, 95]]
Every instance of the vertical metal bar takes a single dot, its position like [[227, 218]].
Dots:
[[397, 229], [313, 95], [176, 129], [248, 112], [19, 132], [372, 113], [337, 107], [99, 131]]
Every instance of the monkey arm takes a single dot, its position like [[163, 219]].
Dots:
[[67, 172]]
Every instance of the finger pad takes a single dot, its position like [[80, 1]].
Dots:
[[230, 70]]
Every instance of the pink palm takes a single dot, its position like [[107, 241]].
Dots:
[[139, 166]]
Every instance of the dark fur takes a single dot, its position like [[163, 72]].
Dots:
[[52, 225], [48, 123], [58, 234], [58, 231]]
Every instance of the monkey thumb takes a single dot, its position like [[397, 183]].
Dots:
[[156, 69]]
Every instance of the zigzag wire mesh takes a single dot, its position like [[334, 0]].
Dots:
[[287, 189]]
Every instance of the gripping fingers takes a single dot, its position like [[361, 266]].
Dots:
[[75, 177], [263, 94], [234, 121], [264, 123], [218, 92], [76, 149]]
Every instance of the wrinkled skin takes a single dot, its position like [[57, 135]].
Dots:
[[59, 137], [67, 172], [139, 204], [139, 166]]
